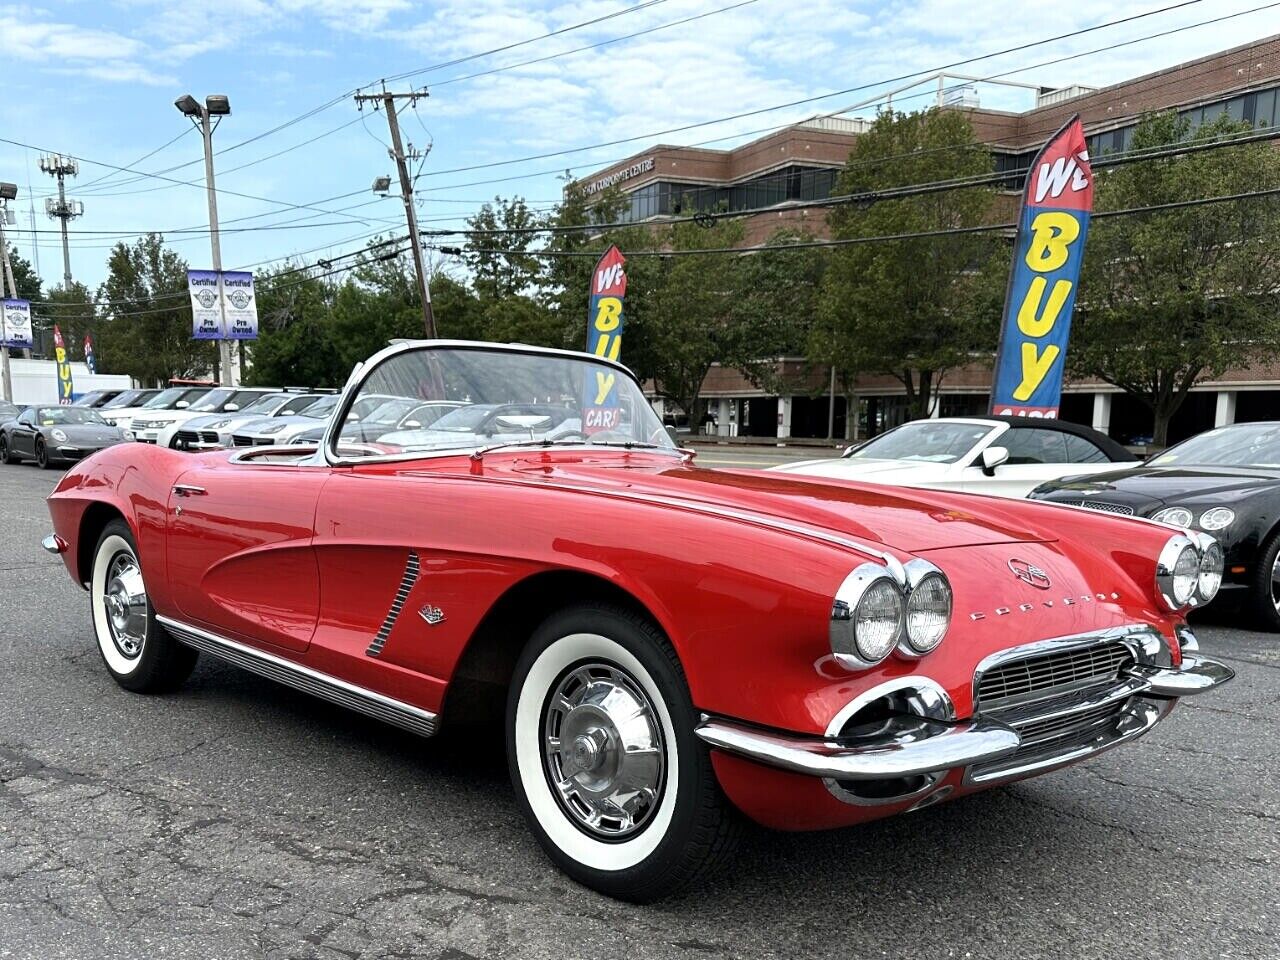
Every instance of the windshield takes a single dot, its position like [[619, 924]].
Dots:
[[264, 404], [507, 397], [1243, 445], [167, 398], [129, 398], [923, 440], [321, 409], [52, 416], [90, 398]]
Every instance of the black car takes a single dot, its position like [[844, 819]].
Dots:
[[1225, 482], [50, 435]]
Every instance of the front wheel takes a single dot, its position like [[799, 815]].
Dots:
[[1264, 596], [42, 455], [605, 763], [5, 455], [137, 651]]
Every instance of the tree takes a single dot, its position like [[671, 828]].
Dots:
[[909, 308], [296, 344], [498, 276], [24, 276], [1175, 297], [72, 309], [146, 315]]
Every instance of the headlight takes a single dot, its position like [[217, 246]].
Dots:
[[1212, 563], [128, 435], [274, 428], [217, 424], [928, 608], [1177, 516], [1217, 518], [1177, 572], [59, 435], [866, 617]]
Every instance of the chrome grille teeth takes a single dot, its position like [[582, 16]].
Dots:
[[1045, 672]]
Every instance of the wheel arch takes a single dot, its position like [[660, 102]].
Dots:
[[477, 688], [96, 516]]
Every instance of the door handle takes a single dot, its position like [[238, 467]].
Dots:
[[187, 490]]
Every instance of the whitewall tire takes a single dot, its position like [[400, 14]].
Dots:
[[137, 652], [605, 765]]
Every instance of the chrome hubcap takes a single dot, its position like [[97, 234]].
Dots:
[[125, 602], [603, 750]]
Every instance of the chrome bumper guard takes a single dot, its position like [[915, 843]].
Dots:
[[54, 544], [1196, 675], [909, 746], [905, 747]]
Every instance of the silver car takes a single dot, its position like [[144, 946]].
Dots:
[[214, 431]]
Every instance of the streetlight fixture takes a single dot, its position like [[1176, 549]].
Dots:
[[215, 105], [381, 184], [8, 191]]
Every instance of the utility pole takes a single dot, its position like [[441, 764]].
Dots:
[[62, 209], [397, 153], [8, 191], [215, 105]]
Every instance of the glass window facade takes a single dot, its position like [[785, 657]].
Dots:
[[668, 198]]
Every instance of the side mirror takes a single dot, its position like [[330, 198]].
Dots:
[[231, 407], [411, 425], [673, 434], [992, 457], [181, 405]]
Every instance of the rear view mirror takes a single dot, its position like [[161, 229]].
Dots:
[[992, 457]]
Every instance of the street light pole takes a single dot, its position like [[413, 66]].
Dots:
[[202, 116], [8, 191]]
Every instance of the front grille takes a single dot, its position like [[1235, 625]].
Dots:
[[1047, 674], [1100, 505], [240, 440], [1037, 732], [184, 437]]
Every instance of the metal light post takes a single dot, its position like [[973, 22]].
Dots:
[[8, 191], [215, 105]]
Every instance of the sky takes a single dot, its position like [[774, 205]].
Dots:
[[96, 79]]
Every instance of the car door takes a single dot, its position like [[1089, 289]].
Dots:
[[1036, 455], [22, 439], [241, 554]]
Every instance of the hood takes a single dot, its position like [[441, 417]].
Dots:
[[877, 471], [1159, 485], [908, 520], [89, 432]]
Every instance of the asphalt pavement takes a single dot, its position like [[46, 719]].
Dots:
[[238, 818]]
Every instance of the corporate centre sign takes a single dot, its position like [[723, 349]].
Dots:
[[1047, 255]]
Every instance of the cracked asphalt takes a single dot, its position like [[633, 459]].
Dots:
[[238, 818]]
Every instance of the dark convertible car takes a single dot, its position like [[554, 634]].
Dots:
[[51, 435], [1225, 482]]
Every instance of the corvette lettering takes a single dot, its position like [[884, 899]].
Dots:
[[1048, 253]]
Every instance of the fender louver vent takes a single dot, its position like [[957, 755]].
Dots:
[[411, 570]]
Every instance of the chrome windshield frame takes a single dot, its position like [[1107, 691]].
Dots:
[[361, 373]]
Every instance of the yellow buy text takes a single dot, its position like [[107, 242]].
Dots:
[[1052, 234]]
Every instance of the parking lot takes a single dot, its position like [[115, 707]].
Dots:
[[240, 818]]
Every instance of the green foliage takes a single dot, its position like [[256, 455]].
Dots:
[[72, 310], [1172, 298], [912, 309], [24, 277], [145, 328]]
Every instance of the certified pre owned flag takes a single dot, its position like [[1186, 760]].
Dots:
[[1047, 254], [600, 410]]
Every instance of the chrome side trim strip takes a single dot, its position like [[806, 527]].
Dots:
[[291, 674], [1196, 675], [412, 568], [905, 747]]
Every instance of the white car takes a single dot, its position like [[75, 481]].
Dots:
[[172, 398], [282, 431], [212, 431], [147, 425], [1003, 456]]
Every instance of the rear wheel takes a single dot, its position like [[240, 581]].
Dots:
[[1265, 593], [606, 767], [137, 651], [6, 456]]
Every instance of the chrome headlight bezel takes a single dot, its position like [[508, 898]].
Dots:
[[922, 574], [1216, 518], [59, 436], [1213, 564], [1171, 556], [867, 582], [1175, 516]]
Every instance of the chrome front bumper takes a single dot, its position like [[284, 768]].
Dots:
[[909, 746]]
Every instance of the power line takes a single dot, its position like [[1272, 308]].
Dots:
[[882, 238]]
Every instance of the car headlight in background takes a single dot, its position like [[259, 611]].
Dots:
[[128, 435], [59, 435], [1178, 572], [274, 428], [1176, 516], [1212, 563], [866, 617], [928, 608], [1217, 518]]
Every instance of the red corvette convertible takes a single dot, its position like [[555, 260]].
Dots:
[[675, 647]]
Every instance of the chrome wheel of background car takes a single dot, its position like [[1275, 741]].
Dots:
[[603, 750], [125, 600]]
